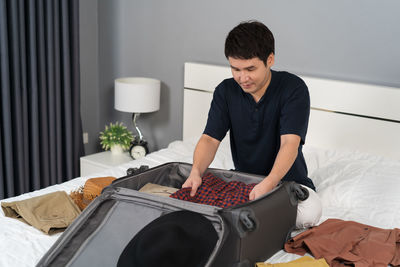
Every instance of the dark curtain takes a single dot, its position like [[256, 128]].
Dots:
[[41, 131]]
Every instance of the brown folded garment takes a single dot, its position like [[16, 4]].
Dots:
[[50, 213], [92, 189], [348, 243]]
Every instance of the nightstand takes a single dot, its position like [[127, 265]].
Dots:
[[101, 161]]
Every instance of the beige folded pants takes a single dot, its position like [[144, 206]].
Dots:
[[50, 213], [157, 189]]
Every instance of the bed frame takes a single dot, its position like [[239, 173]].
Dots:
[[344, 115]]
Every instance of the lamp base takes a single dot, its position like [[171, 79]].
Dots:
[[135, 117], [138, 148]]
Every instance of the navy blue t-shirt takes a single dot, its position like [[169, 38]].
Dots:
[[256, 128]]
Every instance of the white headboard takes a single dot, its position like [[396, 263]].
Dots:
[[344, 115]]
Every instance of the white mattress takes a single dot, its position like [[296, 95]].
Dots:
[[352, 186]]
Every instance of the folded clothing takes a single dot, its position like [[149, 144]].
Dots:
[[92, 189], [300, 262], [50, 213], [157, 189], [344, 243], [216, 192]]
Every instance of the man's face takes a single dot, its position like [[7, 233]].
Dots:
[[252, 75]]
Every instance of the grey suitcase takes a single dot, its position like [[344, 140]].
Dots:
[[247, 233]]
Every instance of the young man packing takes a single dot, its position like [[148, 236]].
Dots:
[[266, 112]]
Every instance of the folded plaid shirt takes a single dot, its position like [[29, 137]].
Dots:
[[216, 192]]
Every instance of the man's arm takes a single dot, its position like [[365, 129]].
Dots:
[[284, 160], [203, 156]]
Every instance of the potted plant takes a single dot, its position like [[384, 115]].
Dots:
[[116, 137]]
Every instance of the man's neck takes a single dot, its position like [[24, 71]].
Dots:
[[259, 94]]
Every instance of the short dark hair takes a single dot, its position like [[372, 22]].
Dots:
[[248, 40]]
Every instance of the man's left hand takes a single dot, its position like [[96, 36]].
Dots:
[[262, 188]]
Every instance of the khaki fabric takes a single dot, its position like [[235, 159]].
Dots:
[[303, 261], [50, 213], [159, 190]]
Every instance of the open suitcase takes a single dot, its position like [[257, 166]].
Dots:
[[247, 233]]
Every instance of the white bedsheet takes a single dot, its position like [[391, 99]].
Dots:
[[352, 186]]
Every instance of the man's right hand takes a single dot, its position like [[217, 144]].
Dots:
[[193, 181], [203, 156]]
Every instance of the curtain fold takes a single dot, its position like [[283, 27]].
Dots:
[[41, 132]]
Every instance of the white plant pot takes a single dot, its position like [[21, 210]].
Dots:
[[117, 150]]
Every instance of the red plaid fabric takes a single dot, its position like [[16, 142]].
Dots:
[[216, 192]]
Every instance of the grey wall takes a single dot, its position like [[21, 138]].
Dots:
[[350, 40], [89, 52]]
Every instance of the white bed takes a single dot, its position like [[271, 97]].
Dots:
[[354, 161]]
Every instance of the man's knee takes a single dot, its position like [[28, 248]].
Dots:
[[309, 211]]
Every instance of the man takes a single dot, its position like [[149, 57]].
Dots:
[[266, 112]]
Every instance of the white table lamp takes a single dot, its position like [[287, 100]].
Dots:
[[137, 95]]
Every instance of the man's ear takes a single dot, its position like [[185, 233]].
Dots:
[[271, 60]]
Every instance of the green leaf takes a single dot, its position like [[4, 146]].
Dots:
[[115, 134]]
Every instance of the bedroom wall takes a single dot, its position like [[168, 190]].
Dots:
[[89, 66], [349, 40]]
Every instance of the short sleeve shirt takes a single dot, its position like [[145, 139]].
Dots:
[[256, 127]]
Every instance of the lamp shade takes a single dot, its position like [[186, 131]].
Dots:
[[137, 95]]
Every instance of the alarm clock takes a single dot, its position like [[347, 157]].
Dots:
[[138, 149]]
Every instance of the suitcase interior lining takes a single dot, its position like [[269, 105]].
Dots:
[[174, 175], [132, 218]]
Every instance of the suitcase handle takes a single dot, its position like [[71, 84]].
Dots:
[[300, 192], [134, 171], [247, 221]]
